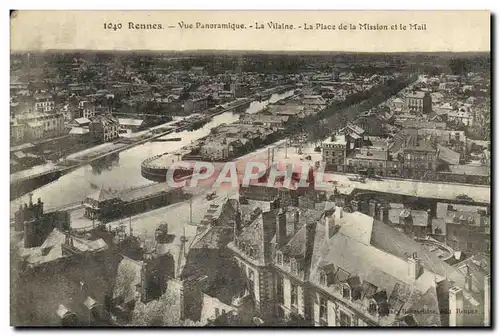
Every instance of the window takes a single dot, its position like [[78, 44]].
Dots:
[[323, 311], [251, 280], [280, 290], [322, 278], [346, 292], [372, 308], [279, 258], [293, 265], [345, 320], [294, 295]]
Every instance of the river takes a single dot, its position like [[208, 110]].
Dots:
[[124, 171]]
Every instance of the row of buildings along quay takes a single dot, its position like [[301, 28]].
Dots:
[[397, 232]]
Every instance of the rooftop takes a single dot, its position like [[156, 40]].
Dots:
[[370, 154], [336, 140]]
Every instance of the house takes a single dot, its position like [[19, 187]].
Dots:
[[44, 102], [367, 160], [86, 109], [104, 128], [80, 122], [278, 121], [59, 245], [373, 124], [398, 104], [467, 227], [334, 151], [411, 221], [215, 151], [462, 117], [419, 160], [39, 125], [418, 102], [316, 100], [355, 135], [195, 104], [130, 124]]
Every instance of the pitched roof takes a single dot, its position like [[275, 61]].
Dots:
[[128, 276], [101, 195], [448, 156], [381, 262], [82, 121]]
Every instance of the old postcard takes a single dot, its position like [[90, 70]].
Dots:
[[250, 168]]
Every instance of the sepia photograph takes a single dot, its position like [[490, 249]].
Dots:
[[163, 174]]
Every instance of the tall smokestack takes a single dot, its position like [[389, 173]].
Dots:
[[456, 303], [281, 228], [487, 293]]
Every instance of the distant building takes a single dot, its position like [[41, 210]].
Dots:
[[44, 103], [265, 120], [334, 151], [465, 118], [17, 132], [419, 161], [195, 104], [41, 125], [133, 125], [86, 109], [368, 161], [37, 224], [411, 221], [397, 104], [215, 151], [468, 228], [103, 205], [418, 102], [104, 128]]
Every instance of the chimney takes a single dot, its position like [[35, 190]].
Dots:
[[296, 218], [468, 279], [456, 304], [372, 208], [381, 211], [487, 301], [237, 224], [30, 237], [281, 228], [31, 199], [414, 267], [329, 225]]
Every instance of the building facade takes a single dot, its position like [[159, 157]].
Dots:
[[318, 267], [104, 128], [38, 125], [334, 152], [418, 102], [419, 162]]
